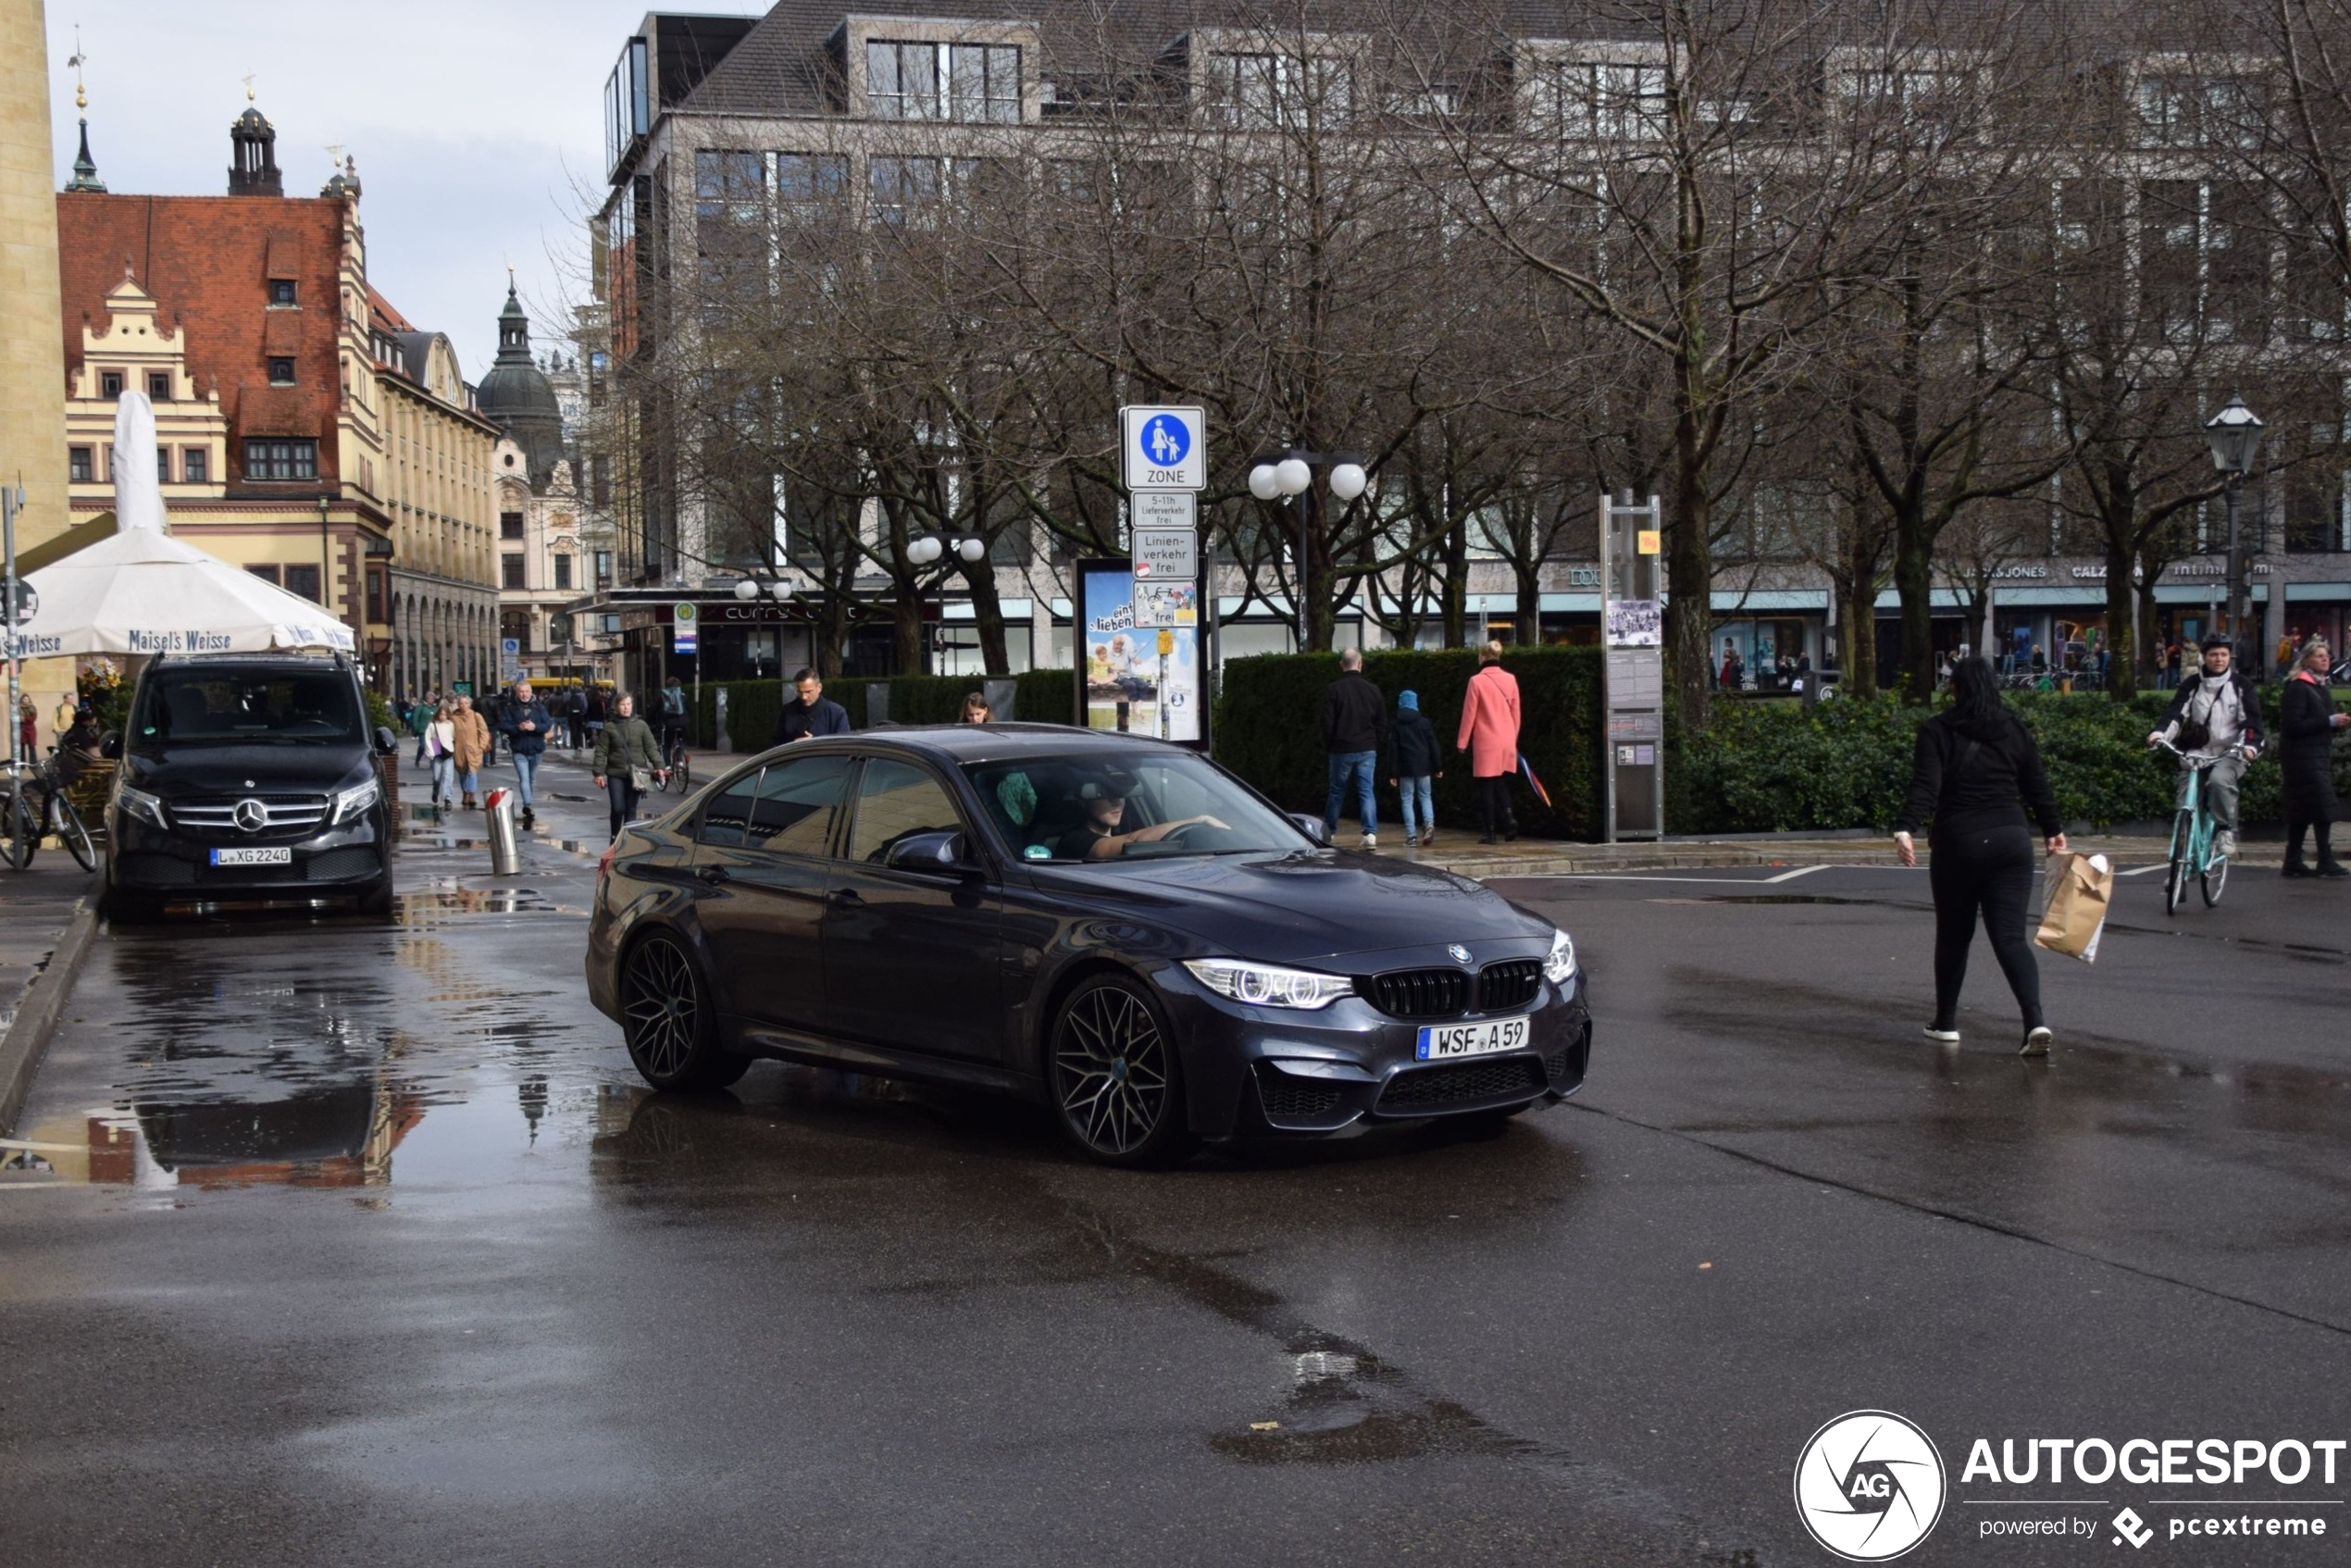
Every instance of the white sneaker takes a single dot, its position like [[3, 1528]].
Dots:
[[1948, 1036], [2036, 1044], [2224, 843], [1371, 840]]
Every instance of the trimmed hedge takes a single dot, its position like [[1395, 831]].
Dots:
[[1265, 729], [1775, 766], [1043, 696]]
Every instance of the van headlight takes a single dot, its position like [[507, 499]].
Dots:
[[1265, 985], [141, 804], [351, 803], [1559, 967]]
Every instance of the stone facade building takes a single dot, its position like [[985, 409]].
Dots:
[[306, 431]]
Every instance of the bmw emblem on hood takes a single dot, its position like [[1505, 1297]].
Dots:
[[1458, 953]]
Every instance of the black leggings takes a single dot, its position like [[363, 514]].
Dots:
[[1494, 800], [1991, 870], [2296, 823]]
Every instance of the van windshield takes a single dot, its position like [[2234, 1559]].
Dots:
[[267, 707]]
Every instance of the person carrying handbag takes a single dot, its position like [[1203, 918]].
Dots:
[[626, 761], [1974, 771], [439, 745]]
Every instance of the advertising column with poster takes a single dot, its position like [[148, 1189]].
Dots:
[[1633, 634], [1138, 653]]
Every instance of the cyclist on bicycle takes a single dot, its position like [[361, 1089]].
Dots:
[[673, 721], [2215, 720]]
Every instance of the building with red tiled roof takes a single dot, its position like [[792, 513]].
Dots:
[[307, 431]]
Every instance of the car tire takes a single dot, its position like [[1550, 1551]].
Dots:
[[667, 1019], [1118, 1077], [376, 904], [128, 909]]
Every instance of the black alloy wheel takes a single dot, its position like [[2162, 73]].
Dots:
[[1117, 1080], [666, 1018]]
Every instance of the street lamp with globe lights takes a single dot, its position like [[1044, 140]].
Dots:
[[1284, 475], [2235, 433], [929, 549]]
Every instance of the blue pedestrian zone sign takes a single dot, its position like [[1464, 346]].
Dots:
[[1163, 449]]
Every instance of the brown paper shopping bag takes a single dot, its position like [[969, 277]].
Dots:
[[2079, 887]]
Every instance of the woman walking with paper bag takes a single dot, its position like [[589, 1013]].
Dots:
[[1974, 772]]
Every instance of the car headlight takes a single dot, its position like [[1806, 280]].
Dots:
[[351, 803], [141, 804], [1561, 965], [1265, 985]]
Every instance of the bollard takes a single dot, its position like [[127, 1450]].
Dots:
[[506, 856]]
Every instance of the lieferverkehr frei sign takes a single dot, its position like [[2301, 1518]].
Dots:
[[1162, 448]]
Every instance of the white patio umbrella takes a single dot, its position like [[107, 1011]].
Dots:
[[142, 591]]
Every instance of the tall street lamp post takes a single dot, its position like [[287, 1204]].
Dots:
[[2233, 433], [1289, 475]]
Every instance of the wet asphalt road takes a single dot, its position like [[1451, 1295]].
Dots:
[[363, 1244]]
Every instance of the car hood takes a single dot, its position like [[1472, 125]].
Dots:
[[229, 770], [1292, 909]]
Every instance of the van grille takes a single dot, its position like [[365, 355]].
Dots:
[[218, 814]]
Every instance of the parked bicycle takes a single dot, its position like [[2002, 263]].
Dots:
[[678, 779], [33, 805], [2193, 831]]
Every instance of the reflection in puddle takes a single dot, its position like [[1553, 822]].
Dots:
[[334, 1136]]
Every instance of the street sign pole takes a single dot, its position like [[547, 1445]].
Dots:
[[1632, 635], [11, 503], [1163, 462]]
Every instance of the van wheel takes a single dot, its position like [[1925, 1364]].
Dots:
[[376, 904], [128, 909]]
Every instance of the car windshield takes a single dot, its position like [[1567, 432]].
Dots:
[[1097, 806], [193, 706]]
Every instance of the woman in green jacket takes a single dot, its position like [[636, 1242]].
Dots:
[[625, 750]]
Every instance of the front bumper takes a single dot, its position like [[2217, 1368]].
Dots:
[[176, 867], [1263, 1071]]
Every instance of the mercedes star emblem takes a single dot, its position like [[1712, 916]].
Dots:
[[251, 815], [1459, 953]]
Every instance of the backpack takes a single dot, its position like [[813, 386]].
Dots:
[[673, 701]]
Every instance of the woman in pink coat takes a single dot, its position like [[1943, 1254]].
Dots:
[[1489, 734]]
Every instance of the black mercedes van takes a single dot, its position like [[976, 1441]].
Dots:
[[247, 778]]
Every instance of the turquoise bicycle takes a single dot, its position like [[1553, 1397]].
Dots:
[[2192, 835]]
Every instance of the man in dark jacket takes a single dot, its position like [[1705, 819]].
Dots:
[[809, 716], [2223, 716], [524, 721], [1354, 722]]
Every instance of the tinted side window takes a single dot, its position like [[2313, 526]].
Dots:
[[895, 799], [726, 817], [797, 802]]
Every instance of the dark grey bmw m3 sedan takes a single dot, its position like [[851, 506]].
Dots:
[[1117, 927]]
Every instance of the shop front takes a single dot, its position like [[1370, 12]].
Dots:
[[1772, 632]]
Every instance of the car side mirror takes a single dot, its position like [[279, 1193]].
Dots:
[[110, 745], [929, 851], [386, 741], [1311, 826]]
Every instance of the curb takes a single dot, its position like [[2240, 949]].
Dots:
[[43, 1003]]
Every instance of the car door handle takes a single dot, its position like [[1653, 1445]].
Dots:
[[842, 897], [712, 874]]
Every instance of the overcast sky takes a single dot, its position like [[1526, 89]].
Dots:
[[477, 125]]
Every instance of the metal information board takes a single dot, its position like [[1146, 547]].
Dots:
[[1632, 630]]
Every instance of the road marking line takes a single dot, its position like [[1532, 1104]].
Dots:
[[1799, 871], [2143, 870], [1631, 876]]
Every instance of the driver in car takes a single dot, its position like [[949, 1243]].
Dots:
[[1097, 837]]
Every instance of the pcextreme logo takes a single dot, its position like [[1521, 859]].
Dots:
[[1869, 1485]]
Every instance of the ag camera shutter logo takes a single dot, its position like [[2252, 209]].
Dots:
[[1869, 1485]]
